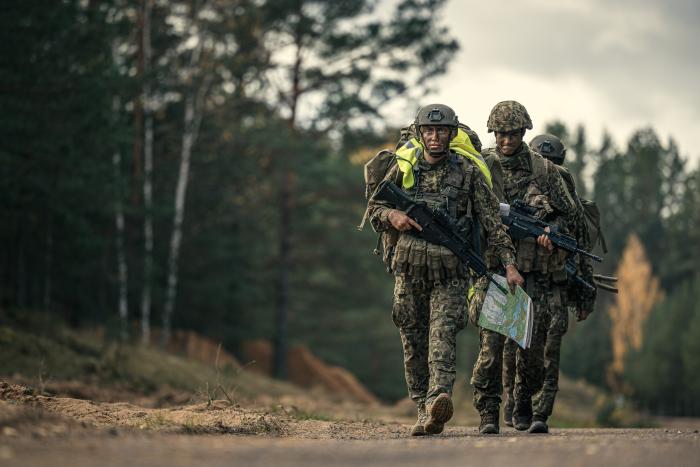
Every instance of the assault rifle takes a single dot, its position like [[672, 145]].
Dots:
[[438, 227], [521, 222]]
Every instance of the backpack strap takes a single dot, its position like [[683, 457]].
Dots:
[[540, 166]]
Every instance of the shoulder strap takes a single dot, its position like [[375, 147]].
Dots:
[[457, 173], [540, 167], [489, 157]]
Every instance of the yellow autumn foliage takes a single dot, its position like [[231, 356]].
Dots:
[[639, 291]]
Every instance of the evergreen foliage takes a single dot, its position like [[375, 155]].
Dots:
[[289, 91]]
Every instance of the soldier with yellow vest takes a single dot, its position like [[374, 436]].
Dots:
[[431, 284]]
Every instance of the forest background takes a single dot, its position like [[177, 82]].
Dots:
[[158, 173]]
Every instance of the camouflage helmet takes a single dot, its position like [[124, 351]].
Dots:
[[508, 116], [436, 114], [550, 147]]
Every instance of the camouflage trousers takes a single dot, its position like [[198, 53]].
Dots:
[[429, 315], [556, 322], [486, 376], [523, 369]]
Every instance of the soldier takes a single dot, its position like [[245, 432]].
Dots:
[[530, 178], [431, 284]]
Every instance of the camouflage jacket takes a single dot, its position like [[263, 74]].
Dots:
[[457, 186], [545, 190]]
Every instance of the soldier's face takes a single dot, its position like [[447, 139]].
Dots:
[[508, 142], [436, 138]]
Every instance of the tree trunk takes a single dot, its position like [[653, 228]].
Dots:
[[176, 238], [280, 342], [122, 268], [193, 116], [285, 234], [194, 104], [147, 178]]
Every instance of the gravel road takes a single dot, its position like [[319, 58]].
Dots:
[[459, 446]]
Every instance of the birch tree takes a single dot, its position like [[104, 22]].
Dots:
[[194, 102], [217, 46]]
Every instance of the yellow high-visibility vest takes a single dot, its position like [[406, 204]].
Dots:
[[407, 156]]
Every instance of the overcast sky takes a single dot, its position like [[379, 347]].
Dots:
[[619, 65]]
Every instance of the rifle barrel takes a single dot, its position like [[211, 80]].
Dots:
[[600, 277], [607, 287], [590, 255]]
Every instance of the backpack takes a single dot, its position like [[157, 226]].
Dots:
[[376, 169], [595, 232]]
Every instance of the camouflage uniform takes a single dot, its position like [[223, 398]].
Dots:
[[543, 402], [509, 351], [486, 379], [541, 272], [431, 287]]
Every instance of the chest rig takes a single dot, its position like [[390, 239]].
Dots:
[[527, 182], [444, 188]]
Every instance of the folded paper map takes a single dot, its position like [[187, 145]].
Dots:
[[510, 315]]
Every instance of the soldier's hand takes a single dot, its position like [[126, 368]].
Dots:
[[401, 222], [545, 242], [513, 277]]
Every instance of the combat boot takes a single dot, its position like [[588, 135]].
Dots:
[[539, 424], [508, 412], [522, 416], [419, 428], [489, 423], [440, 412]]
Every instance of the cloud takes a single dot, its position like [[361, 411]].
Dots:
[[617, 65]]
